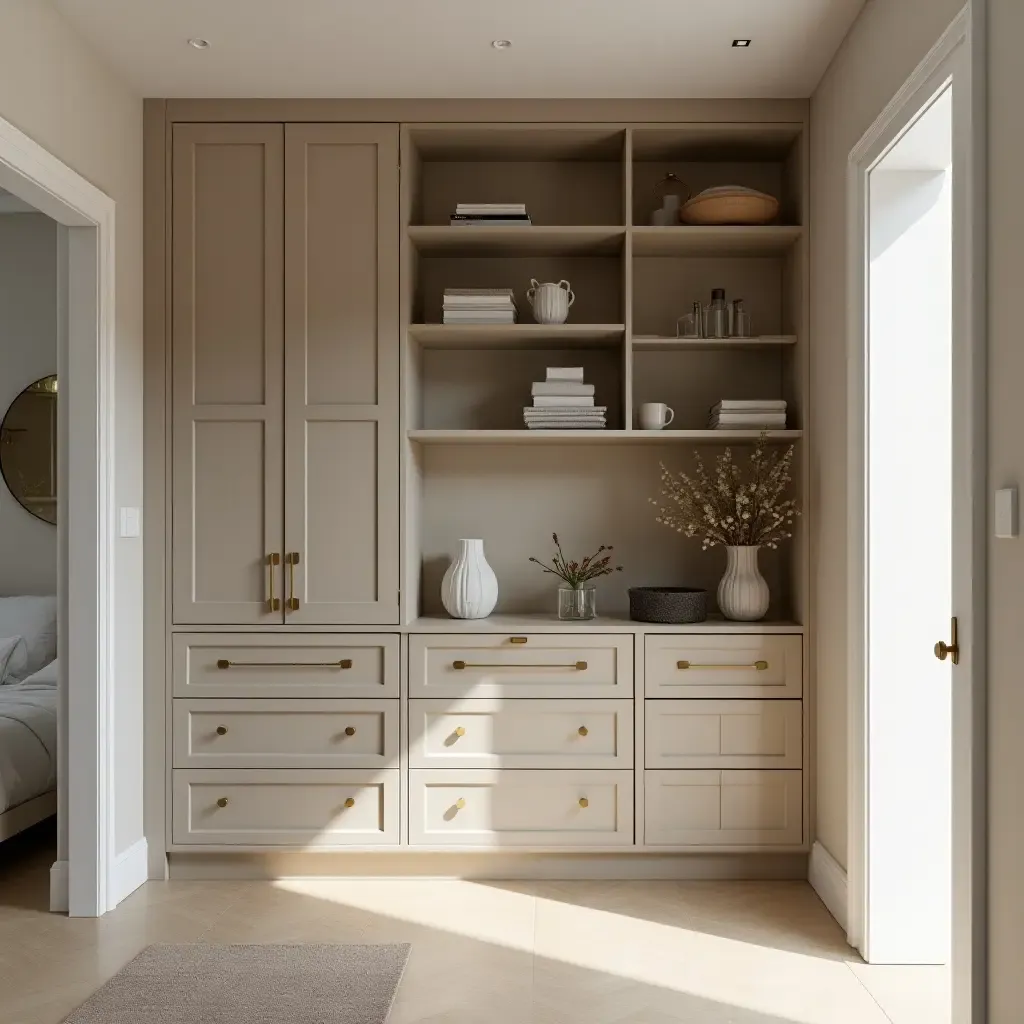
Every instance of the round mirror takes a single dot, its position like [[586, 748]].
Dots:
[[28, 448]]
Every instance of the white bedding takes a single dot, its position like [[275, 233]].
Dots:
[[28, 738]]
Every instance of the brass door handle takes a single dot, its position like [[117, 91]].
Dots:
[[578, 666], [584, 802], [758, 666], [292, 560], [273, 561], [222, 730], [223, 663], [952, 649], [222, 802], [583, 730]]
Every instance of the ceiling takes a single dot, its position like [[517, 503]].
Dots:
[[441, 48]]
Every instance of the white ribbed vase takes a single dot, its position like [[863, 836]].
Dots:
[[743, 591], [469, 589]]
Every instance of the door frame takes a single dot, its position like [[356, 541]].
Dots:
[[959, 50], [80, 881]]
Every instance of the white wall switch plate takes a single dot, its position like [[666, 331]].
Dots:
[[131, 522], [1006, 512]]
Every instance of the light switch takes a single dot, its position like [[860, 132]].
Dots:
[[131, 522], [1006, 512]]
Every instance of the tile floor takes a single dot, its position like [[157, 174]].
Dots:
[[500, 953]]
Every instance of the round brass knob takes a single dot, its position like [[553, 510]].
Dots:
[[584, 802], [222, 730], [460, 803], [222, 802], [459, 731], [583, 730], [350, 730], [350, 802]]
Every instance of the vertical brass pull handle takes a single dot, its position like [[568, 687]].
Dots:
[[273, 561], [292, 559], [952, 649]]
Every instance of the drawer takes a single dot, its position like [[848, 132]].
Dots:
[[520, 808], [492, 733], [307, 665], [285, 808], [711, 665], [230, 733], [723, 808], [530, 665], [723, 733]]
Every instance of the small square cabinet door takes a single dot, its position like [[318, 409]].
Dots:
[[341, 373]]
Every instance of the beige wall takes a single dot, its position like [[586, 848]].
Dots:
[[885, 44], [53, 88]]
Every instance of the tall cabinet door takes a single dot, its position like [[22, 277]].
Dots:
[[227, 351], [341, 373]]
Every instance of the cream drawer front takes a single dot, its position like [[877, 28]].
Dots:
[[534, 665], [723, 734], [723, 808], [740, 665], [305, 665], [521, 733], [285, 808], [520, 808], [219, 733]]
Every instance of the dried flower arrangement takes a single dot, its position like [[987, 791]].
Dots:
[[728, 510], [576, 574]]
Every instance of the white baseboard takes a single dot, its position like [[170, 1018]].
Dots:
[[59, 898], [131, 869], [828, 880]]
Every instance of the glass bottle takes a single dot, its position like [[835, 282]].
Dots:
[[716, 316]]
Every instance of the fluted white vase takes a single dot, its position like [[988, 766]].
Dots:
[[469, 589], [743, 591]]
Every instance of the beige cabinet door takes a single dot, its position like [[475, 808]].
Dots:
[[341, 373], [227, 353]]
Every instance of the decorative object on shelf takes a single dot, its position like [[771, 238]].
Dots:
[[469, 589], [550, 301], [718, 319], [563, 402], [479, 306], [656, 415], [729, 204], [748, 414], [674, 193], [28, 448], [691, 325], [578, 598], [739, 515], [716, 315], [668, 604], [501, 215], [739, 320]]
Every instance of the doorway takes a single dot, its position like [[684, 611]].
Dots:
[[916, 535]]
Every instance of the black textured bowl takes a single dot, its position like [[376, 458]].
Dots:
[[668, 604]]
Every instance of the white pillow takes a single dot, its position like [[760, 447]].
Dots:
[[13, 656], [46, 676], [35, 620]]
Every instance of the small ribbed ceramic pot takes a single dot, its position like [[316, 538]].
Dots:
[[743, 591], [550, 301], [469, 589]]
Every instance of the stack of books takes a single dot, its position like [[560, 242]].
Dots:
[[501, 215], [479, 306], [563, 402], [749, 414]]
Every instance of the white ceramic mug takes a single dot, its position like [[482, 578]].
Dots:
[[655, 415], [550, 301]]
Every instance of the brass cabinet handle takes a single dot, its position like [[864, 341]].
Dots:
[[759, 666], [292, 560], [583, 730], [222, 802], [952, 649], [459, 731], [459, 804], [579, 666], [223, 663], [584, 802], [350, 730], [517, 639], [350, 802], [273, 560], [222, 730]]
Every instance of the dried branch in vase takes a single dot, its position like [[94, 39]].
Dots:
[[576, 574], [727, 509]]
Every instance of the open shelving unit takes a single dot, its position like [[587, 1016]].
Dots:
[[471, 466]]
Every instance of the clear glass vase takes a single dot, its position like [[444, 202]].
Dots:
[[577, 603]]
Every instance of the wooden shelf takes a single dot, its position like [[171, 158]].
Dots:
[[649, 344], [539, 622], [517, 336], [538, 240], [525, 436], [769, 240]]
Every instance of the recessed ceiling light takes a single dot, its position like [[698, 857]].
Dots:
[[502, 44], [741, 42], [199, 44]]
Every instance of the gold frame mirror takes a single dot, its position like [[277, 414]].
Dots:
[[28, 448]]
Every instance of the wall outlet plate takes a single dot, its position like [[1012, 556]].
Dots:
[[1006, 513]]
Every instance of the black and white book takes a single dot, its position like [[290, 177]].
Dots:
[[563, 388], [562, 402], [483, 209]]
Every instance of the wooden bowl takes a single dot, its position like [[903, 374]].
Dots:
[[729, 204]]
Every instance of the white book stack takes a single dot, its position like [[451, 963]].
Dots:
[[749, 414], [564, 402], [479, 306], [500, 215]]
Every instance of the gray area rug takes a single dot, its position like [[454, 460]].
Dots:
[[250, 984]]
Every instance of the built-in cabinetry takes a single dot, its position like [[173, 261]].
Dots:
[[331, 440]]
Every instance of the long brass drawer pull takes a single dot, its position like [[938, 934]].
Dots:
[[223, 663], [517, 639], [273, 561], [759, 666], [578, 666]]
